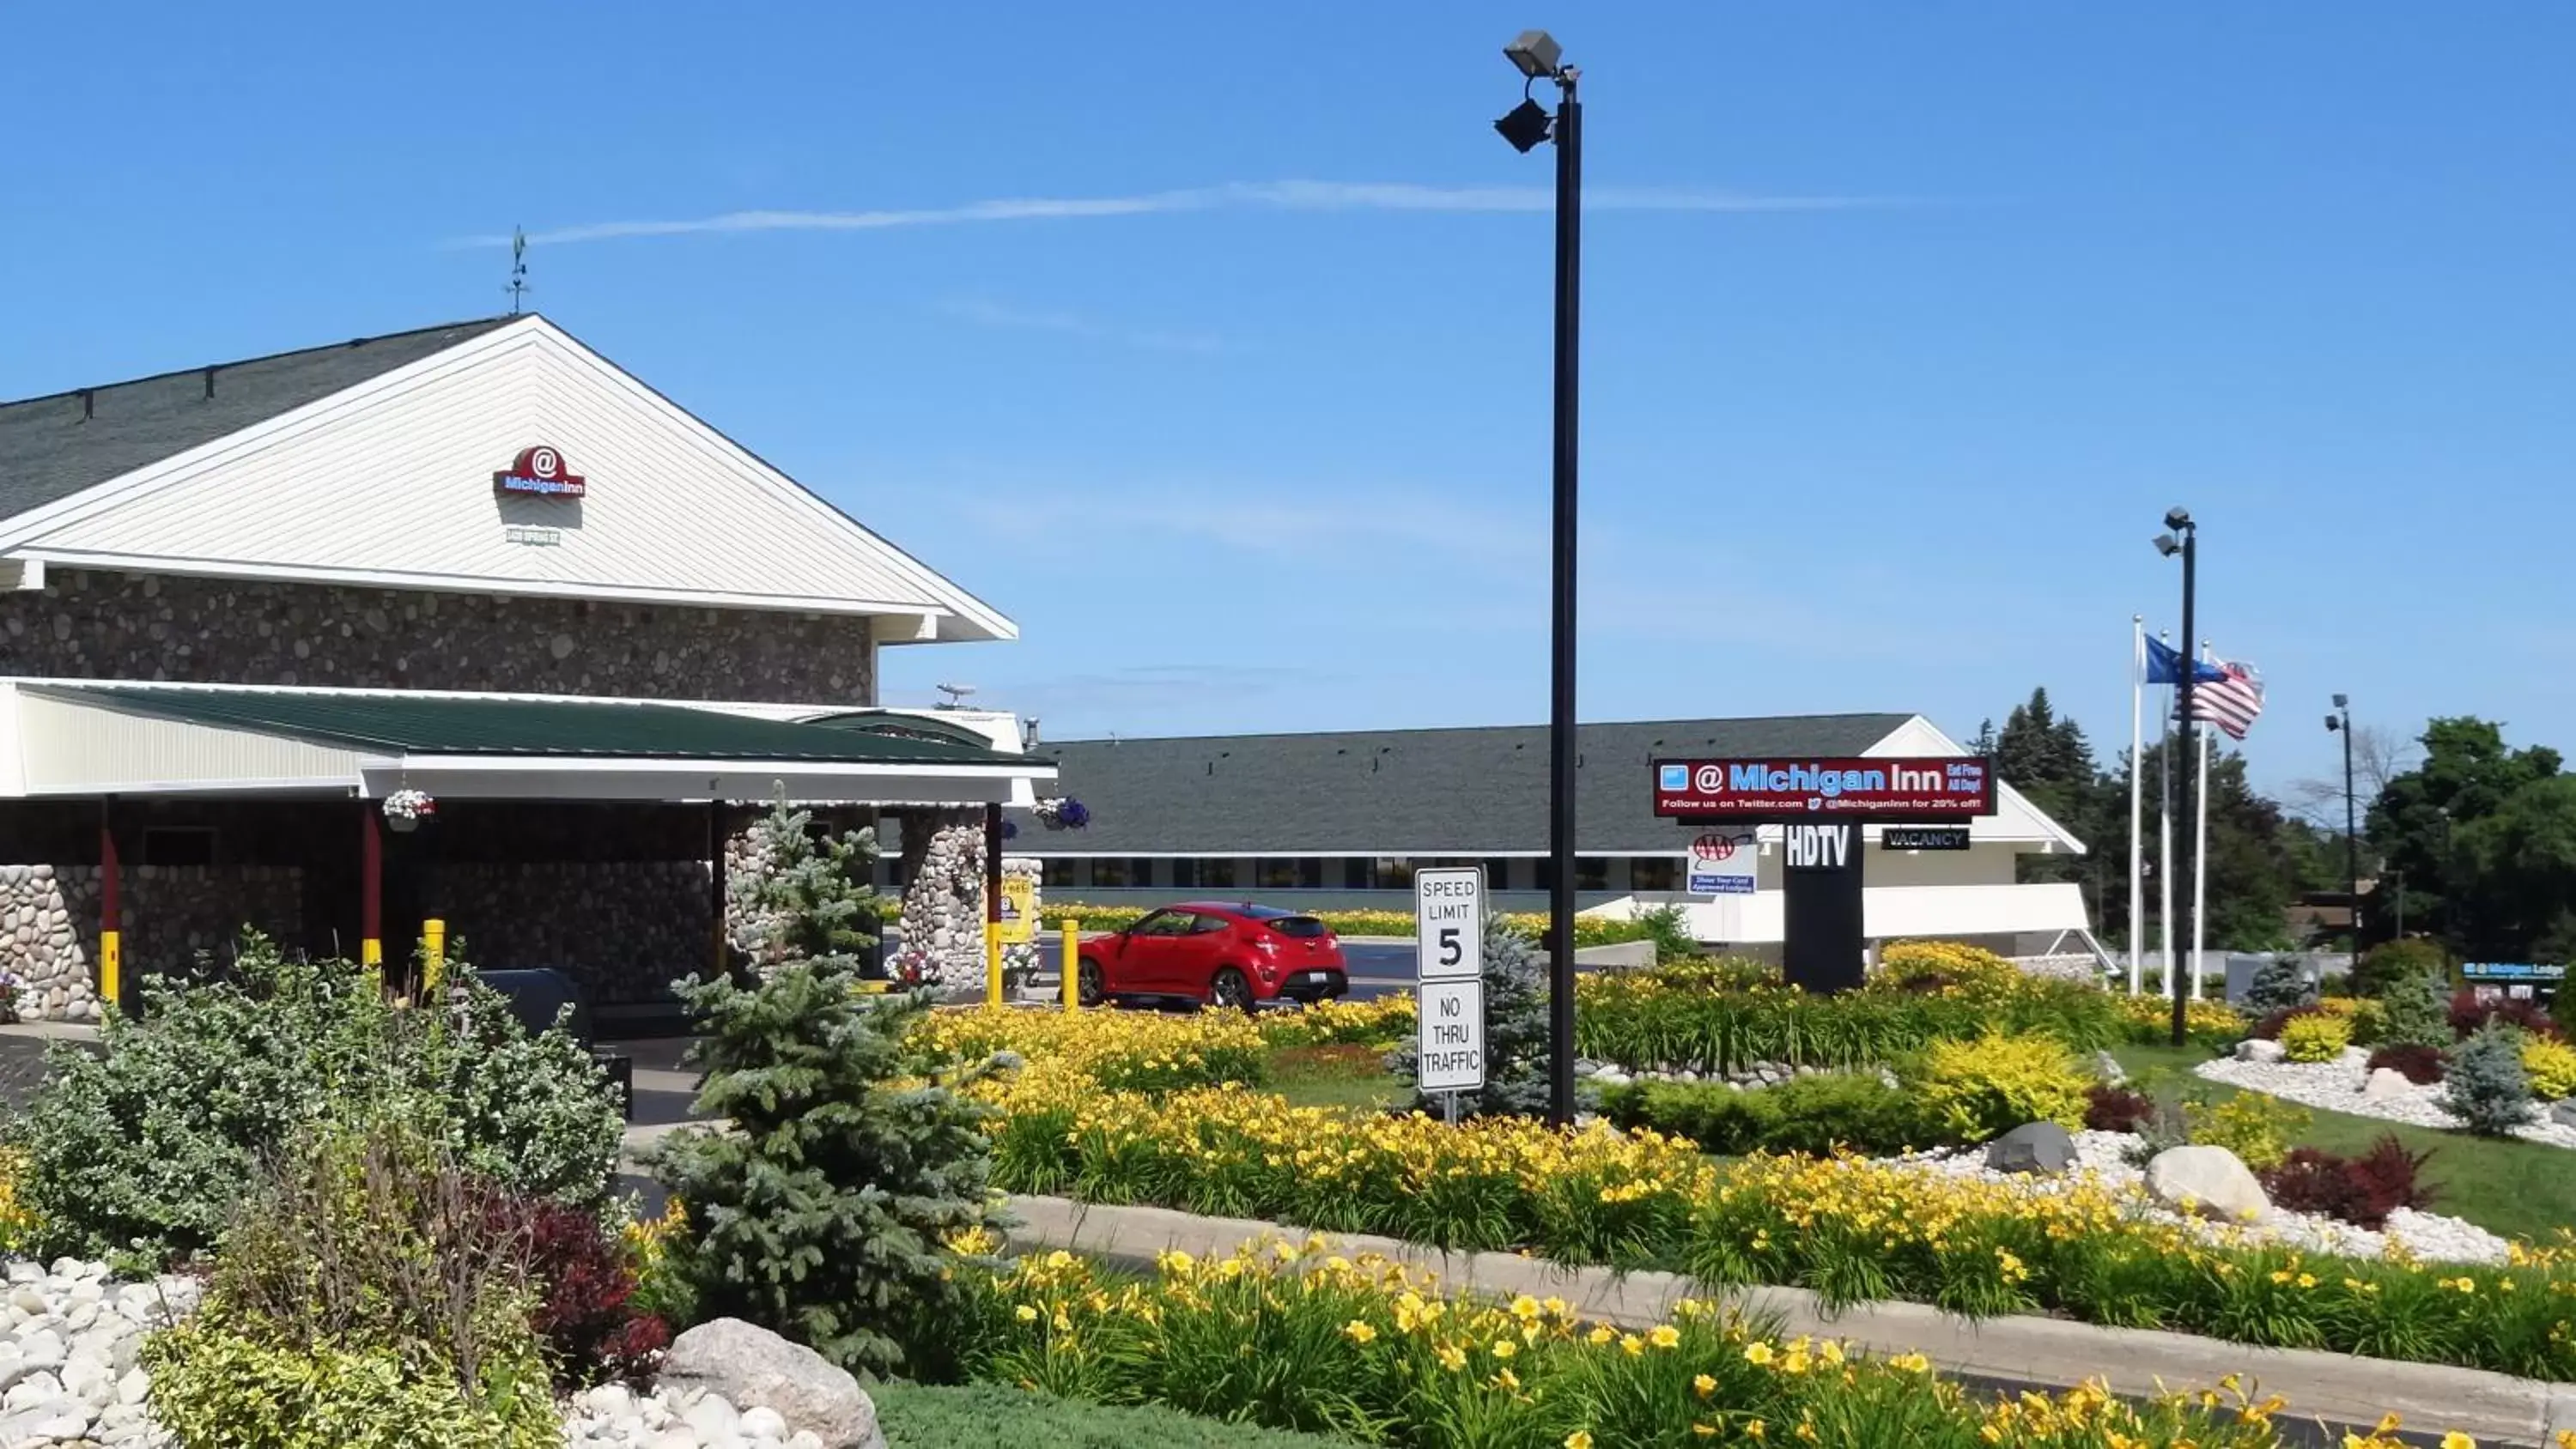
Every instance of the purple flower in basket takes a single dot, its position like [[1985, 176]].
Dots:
[[1063, 813]]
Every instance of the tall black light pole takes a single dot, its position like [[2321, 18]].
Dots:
[[2340, 722], [2183, 537], [1539, 57]]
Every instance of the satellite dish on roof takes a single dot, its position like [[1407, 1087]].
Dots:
[[956, 693]]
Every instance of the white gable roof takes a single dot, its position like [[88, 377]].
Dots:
[[2015, 817], [390, 483]]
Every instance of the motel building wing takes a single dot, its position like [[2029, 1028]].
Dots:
[[1340, 820], [244, 606]]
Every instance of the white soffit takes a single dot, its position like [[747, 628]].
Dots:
[[390, 483]]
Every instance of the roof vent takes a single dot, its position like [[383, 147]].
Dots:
[[89, 404], [210, 381]]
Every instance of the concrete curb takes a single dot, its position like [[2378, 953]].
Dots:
[[2493, 1408]]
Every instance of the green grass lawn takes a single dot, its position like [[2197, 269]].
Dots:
[[1335, 1076], [2516, 1188], [984, 1416]]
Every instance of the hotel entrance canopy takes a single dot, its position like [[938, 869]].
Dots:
[[79, 739]]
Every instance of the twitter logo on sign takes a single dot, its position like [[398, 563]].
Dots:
[[1672, 777]]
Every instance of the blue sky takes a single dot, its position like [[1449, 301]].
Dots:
[[1904, 323]]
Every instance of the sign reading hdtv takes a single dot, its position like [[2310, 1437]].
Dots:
[[1911, 790]]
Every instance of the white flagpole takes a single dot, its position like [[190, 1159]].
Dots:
[[2137, 802], [2200, 854], [2164, 838]]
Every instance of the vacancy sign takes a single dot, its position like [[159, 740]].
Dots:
[[1449, 997], [1722, 863]]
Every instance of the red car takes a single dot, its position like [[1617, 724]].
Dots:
[[1240, 956]]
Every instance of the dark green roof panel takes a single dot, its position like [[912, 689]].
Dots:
[[420, 724]]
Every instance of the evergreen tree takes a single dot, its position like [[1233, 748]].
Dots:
[[825, 1211], [2281, 984], [1516, 1056]]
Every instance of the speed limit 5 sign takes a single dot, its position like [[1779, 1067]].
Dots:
[[1449, 923]]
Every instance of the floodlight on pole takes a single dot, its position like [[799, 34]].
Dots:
[[2186, 678], [1537, 56], [2166, 545]]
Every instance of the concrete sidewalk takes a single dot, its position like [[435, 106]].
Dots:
[[2337, 1388]]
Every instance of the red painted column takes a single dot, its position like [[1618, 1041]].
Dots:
[[111, 910], [371, 885]]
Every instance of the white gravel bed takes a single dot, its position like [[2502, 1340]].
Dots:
[[70, 1336], [683, 1419], [2336, 1086], [2101, 1158]]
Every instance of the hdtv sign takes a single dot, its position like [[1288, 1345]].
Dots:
[[1911, 789]]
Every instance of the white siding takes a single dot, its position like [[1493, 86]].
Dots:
[[69, 747], [391, 482]]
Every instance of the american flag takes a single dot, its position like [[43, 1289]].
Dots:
[[2231, 701]]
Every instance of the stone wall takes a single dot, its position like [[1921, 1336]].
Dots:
[[624, 930], [90, 624], [171, 915]]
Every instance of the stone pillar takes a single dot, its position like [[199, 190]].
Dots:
[[943, 897], [40, 945]]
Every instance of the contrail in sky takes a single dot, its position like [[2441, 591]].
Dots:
[[1235, 195]]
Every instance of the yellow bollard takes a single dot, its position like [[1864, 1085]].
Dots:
[[433, 938], [992, 963], [1072, 964]]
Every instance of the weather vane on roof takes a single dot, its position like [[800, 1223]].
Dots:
[[518, 268]]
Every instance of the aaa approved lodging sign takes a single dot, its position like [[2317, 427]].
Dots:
[[1449, 997]]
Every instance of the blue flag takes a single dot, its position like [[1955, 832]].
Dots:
[[2164, 666]]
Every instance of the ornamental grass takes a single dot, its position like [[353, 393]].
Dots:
[[1295, 1337], [1850, 1229], [1656, 1019]]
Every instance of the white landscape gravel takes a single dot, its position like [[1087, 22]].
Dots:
[[2101, 1157], [69, 1379], [2336, 1086]]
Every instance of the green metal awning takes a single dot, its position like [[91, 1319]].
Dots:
[[78, 738], [590, 729]]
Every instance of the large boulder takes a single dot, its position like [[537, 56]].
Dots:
[[2564, 1114], [2256, 1049], [2211, 1181], [2386, 1083], [2042, 1147], [751, 1367]]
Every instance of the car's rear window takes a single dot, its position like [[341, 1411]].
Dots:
[[1305, 926]]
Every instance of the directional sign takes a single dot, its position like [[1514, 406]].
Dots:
[[1449, 922], [1452, 1036], [1722, 863]]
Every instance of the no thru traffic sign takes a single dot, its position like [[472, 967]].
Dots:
[[1449, 997]]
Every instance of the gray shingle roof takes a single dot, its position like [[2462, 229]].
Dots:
[[1419, 792], [53, 447]]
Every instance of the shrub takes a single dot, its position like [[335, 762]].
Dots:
[[1648, 1020], [2470, 1013], [2361, 1190], [2392, 964], [364, 1294], [982, 1416], [2116, 1109], [824, 1213], [1976, 1089], [2279, 984], [2211, 1025], [2369, 1019], [2421, 1065], [2270, 1026], [147, 1149], [1804, 1114], [2551, 1066], [1669, 929], [216, 1388], [16, 1223], [1914, 964], [2417, 1012], [2487, 1088], [2257, 1128], [2315, 1038], [585, 1282]]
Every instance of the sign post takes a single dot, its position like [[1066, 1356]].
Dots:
[[1449, 994]]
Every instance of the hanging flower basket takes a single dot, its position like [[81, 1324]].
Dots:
[[406, 809], [1064, 813]]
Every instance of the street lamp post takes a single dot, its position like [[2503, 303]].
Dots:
[[2183, 537], [2340, 722], [1538, 57]]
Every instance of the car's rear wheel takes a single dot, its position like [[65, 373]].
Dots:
[[1092, 985], [1230, 989]]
